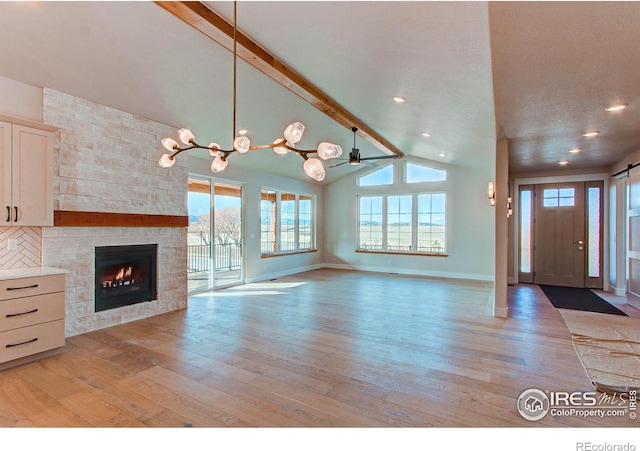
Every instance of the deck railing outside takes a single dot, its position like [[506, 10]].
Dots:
[[227, 257]]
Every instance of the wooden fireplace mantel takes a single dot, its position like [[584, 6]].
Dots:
[[64, 218]]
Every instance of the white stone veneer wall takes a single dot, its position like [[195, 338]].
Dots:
[[107, 161]]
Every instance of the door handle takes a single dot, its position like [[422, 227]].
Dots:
[[8, 213], [580, 242], [15, 219]]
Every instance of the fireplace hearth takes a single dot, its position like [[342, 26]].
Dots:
[[125, 275]]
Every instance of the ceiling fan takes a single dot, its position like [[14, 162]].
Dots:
[[354, 155]]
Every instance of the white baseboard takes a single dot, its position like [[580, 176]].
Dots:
[[411, 272], [288, 272], [500, 312], [617, 291]]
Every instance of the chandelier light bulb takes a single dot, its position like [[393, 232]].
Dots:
[[186, 136], [169, 144], [242, 144], [214, 149], [166, 161], [219, 164], [327, 151], [314, 169], [293, 132], [279, 149]]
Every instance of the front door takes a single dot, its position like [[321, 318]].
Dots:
[[559, 235]]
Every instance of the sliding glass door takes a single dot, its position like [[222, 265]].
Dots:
[[215, 234]]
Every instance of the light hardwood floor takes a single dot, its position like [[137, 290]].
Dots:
[[325, 348]]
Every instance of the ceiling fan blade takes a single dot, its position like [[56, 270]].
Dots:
[[338, 164], [384, 157]]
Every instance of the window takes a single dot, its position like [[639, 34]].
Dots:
[[417, 173], [563, 197], [383, 176], [268, 221], [371, 223], [409, 223], [304, 221], [399, 230], [431, 224], [286, 222]]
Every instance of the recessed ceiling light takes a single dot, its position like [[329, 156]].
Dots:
[[399, 99], [442, 155], [563, 163], [574, 150], [242, 131], [591, 134], [426, 134], [616, 107]]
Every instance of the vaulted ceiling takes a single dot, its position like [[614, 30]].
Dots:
[[537, 73]]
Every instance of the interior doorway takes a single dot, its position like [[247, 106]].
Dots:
[[215, 246], [560, 234]]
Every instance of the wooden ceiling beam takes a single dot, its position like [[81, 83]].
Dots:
[[219, 30]]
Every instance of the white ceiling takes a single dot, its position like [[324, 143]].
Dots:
[[540, 75]]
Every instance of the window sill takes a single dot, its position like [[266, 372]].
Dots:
[[414, 254], [280, 254]]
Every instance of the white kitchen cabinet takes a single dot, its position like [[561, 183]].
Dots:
[[26, 178]]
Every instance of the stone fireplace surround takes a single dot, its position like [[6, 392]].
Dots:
[[106, 160]]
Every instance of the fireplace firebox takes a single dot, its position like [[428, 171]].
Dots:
[[125, 275]]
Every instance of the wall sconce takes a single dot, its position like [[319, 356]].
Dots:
[[509, 202], [492, 194]]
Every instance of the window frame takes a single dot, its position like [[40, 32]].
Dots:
[[385, 246], [277, 226]]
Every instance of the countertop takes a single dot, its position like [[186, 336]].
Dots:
[[6, 274]]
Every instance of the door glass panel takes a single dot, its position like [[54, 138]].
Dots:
[[227, 233], [593, 230], [525, 231], [564, 197], [199, 236]]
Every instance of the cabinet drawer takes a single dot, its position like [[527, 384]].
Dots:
[[23, 312], [26, 341], [30, 286]]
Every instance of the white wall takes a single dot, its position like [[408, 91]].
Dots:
[[470, 229], [257, 268]]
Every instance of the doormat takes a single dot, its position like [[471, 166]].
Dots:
[[578, 299], [608, 348]]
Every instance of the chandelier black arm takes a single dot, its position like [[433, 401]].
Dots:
[[194, 145]]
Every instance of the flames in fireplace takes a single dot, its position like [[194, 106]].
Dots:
[[118, 276]]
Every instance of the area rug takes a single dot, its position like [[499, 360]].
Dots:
[[578, 299], [608, 347]]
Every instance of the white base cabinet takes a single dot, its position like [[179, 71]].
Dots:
[[32, 315]]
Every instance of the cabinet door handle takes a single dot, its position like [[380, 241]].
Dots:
[[23, 343], [8, 213], [11, 315], [15, 219], [22, 288]]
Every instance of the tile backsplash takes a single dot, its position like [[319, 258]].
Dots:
[[29, 251]]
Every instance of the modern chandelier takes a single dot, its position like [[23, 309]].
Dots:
[[312, 166]]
